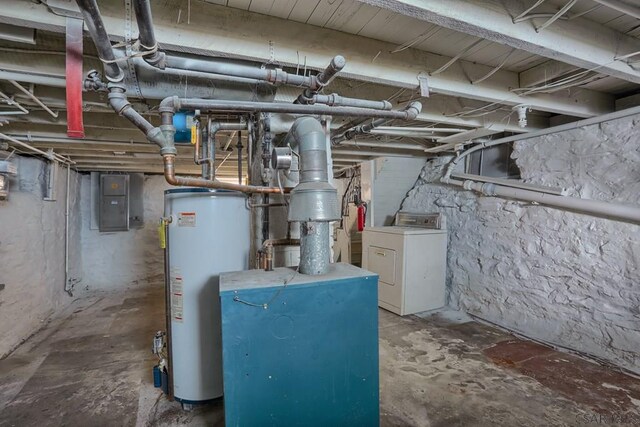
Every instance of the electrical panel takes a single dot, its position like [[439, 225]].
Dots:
[[7, 169], [114, 203]]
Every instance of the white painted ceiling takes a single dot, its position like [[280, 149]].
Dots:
[[403, 37]]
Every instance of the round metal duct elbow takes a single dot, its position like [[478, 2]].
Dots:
[[313, 199]]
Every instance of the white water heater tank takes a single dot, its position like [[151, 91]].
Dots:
[[208, 235]]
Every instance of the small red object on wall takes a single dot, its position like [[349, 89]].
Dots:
[[362, 213]]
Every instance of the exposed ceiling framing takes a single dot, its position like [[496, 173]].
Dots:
[[478, 64]]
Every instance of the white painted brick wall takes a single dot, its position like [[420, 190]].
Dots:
[[120, 259], [32, 251], [389, 178], [566, 278]]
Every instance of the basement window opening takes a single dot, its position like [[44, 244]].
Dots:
[[495, 162]]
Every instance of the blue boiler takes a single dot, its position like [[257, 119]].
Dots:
[[300, 350]]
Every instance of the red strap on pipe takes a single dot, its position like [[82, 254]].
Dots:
[[73, 73]]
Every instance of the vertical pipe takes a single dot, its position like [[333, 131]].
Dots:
[[256, 229], [66, 234], [265, 219], [167, 303], [98, 32], [239, 157], [314, 247]]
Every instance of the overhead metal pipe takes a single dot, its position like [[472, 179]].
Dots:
[[358, 130], [323, 79], [271, 75], [239, 147], [383, 145], [313, 202], [171, 178], [147, 37], [335, 66], [336, 100], [114, 74], [171, 104], [212, 130], [33, 98], [420, 129], [555, 129], [621, 6], [49, 155], [593, 207], [599, 208], [98, 33], [34, 78]]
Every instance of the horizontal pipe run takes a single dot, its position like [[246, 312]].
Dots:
[[511, 183], [33, 98], [383, 145], [280, 242], [276, 76], [171, 178], [210, 105], [267, 205], [34, 78], [621, 6], [209, 76], [420, 129], [358, 130], [598, 208], [56, 157], [335, 100], [355, 152], [429, 136]]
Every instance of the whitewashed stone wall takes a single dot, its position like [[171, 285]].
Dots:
[[116, 260], [566, 278], [32, 232]]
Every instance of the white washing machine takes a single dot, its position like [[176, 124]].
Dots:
[[411, 261]]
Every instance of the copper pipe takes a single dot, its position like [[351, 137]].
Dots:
[[170, 176], [281, 242], [268, 259], [266, 253]]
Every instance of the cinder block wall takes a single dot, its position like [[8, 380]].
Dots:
[[566, 278]]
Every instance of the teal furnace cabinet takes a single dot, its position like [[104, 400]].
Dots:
[[304, 354]]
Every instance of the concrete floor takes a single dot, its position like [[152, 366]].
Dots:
[[92, 366]]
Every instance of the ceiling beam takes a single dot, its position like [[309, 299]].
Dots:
[[544, 73], [248, 35], [580, 42]]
